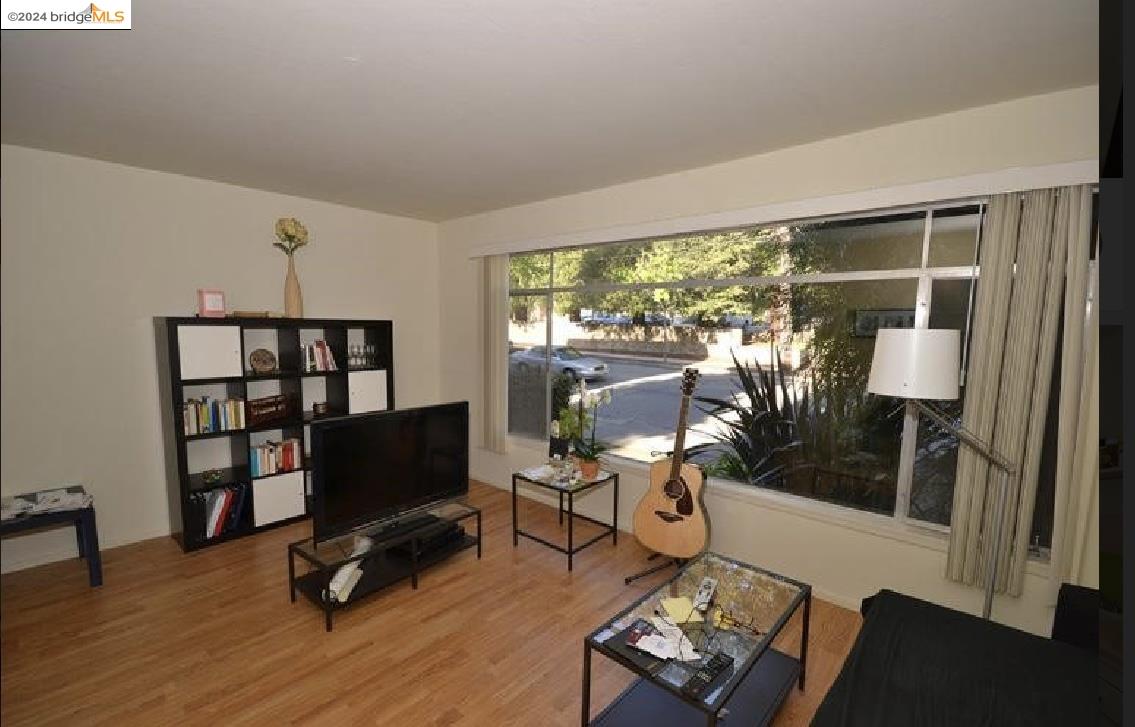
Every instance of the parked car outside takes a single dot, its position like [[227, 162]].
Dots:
[[599, 318], [686, 322], [656, 319], [565, 360], [735, 320]]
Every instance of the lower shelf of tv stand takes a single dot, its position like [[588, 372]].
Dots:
[[392, 568]]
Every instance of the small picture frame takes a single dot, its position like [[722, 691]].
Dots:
[[210, 303], [868, 322]]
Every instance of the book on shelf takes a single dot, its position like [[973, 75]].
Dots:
[[220, 510], [273, 458], [317, 357], [238, 508], [206, 416]]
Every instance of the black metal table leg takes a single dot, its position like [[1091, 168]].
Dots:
[[91, 546], [561, 508], [586, 717], [571, 519], [804, 637], [515, 538], [79, 544], [615, 514], [292, 575], [478, 535], [414, 563], [327, 600]]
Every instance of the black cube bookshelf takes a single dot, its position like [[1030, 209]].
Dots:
[[207, 359]]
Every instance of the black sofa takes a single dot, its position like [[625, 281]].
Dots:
[[917, 663]]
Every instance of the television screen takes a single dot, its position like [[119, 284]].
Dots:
[[370, 467]]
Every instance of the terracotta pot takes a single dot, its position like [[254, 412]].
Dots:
[[589, 468], [293, 296]]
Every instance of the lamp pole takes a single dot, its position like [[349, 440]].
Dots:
[[996, 459]]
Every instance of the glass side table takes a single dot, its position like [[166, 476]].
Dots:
[[749, 610], [546, 478], [385, 553]]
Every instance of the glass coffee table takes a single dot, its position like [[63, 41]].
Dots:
[[750, 608]]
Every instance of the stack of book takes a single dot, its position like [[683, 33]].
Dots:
[[273, 458], [316, 356], [221, 510], [205, 415]]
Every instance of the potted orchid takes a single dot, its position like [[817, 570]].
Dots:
[[574, 423]]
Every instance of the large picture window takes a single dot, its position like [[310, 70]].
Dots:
[[794, 305]]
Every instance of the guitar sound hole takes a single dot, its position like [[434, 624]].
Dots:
[[668, 516], [675, 489]]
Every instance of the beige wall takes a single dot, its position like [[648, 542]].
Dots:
[[844, 563], [91, 252]]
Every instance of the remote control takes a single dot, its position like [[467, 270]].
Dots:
[[705, 593], [709, 676]]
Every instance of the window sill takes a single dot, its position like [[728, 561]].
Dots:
[[930, 536]]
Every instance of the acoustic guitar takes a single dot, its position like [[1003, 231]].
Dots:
[[671, 518]]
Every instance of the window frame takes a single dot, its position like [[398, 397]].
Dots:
[[924, 275]]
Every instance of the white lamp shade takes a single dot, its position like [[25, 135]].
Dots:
[[916, 363]]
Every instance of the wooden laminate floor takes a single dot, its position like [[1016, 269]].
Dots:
[[211, 638]]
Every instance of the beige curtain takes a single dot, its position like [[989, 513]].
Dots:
[[1016, 314], [1075, 534], [495, 389]]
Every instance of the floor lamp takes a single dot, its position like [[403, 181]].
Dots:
[[918, 364]]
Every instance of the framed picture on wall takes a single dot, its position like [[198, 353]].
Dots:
[[868, 322], [210, 303]]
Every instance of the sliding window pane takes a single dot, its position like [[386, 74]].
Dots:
[[753, 252], [808, 426], [527, 365], [847, 441], [529, 270], [953, 236], [936, 452], [876, 243], [638, 354]]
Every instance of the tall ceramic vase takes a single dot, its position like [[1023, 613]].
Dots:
[[293, 296]]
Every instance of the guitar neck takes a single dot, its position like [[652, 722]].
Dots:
[[680, 439]]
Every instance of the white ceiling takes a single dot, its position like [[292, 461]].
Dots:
[[440, 108]]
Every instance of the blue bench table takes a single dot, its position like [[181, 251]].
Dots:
[[86, 533]]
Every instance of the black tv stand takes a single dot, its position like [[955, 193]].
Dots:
[[397, 527], [397, 550]]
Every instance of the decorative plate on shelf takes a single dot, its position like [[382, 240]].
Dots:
[[262, 361]]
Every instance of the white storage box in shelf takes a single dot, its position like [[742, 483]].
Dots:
[[209, 352], [366, 391], [277, 498]]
